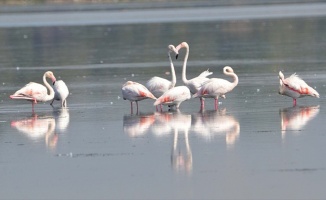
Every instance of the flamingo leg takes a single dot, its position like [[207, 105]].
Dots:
[[294, 102], [216, 104], [137, 107], [202, 103], [161, 107], [131, 108]]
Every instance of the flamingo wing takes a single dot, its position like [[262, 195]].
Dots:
[[31, 91], [61, 90], [157, 86], [174, 95], [134, 92], [205, 73], [295, 83]]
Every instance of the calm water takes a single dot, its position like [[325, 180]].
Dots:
[[256, 146]]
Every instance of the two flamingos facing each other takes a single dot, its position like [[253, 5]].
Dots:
[[157, 85], [295, 87], [196, 83], [135, 92], [36, 92], [216, 87]]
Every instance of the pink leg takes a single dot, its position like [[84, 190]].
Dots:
[[131, 108], [202, 103], [161, 107], [294, 102], [137, 107], [216, 104]]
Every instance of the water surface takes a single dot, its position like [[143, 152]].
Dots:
[[255, 146]]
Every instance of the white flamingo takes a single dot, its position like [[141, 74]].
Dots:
[[216, 87], [135, 92], [295, 87], [193, 84], [36, 92], [174, 96], [157, 85], [61, 93]]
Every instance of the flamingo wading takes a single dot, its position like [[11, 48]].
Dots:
[[135, 92], [216, 87], [295, 87], [36, 92], [61, 93], [174, 96], [193, 84]]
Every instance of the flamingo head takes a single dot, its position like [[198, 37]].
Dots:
[[173, 49], [180, 46], [228, 69], [280, 75], [51, 76]]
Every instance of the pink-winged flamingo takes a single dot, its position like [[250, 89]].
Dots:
[[157, 85], [216, 87], [61, 93], [174, 96], [193, 84], [135, 92], [295, 87], [36, 92]]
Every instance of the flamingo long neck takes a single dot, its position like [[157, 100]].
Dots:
[[51, 95], [235, 78], [174, 79], [184, 79]]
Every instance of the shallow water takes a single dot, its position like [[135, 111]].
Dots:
[[256, 146]]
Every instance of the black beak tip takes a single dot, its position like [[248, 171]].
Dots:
[[53, 83], [176, 56]]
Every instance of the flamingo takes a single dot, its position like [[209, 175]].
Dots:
[[195, 83], [134, 91], [157, 85], [295, 87], [61, 93], [36, 92], [216, 87], [174, 96]]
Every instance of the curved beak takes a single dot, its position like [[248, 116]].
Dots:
[[176, 56]]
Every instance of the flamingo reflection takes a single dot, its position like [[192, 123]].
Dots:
[[137, 125], [295, 118], [209, 124], [181, 156], [37, 127], [62, 119]]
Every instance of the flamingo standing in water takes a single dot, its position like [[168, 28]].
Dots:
[[216, 87], [295, 87], [193, 84], [61, 93], [157, 85], [134, 91], [174, 96], [36, 92]]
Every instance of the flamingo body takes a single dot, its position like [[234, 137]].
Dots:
[[295, 87], [36, 92], [174, 97], [135, 92], [61, 92], [216, 87]]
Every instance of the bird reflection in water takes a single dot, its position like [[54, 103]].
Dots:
[[41, 126], [295, 118], [37, 127], [137, 125], [176, 122], [209, 124]]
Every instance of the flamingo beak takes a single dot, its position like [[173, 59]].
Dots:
[[176, 56]]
